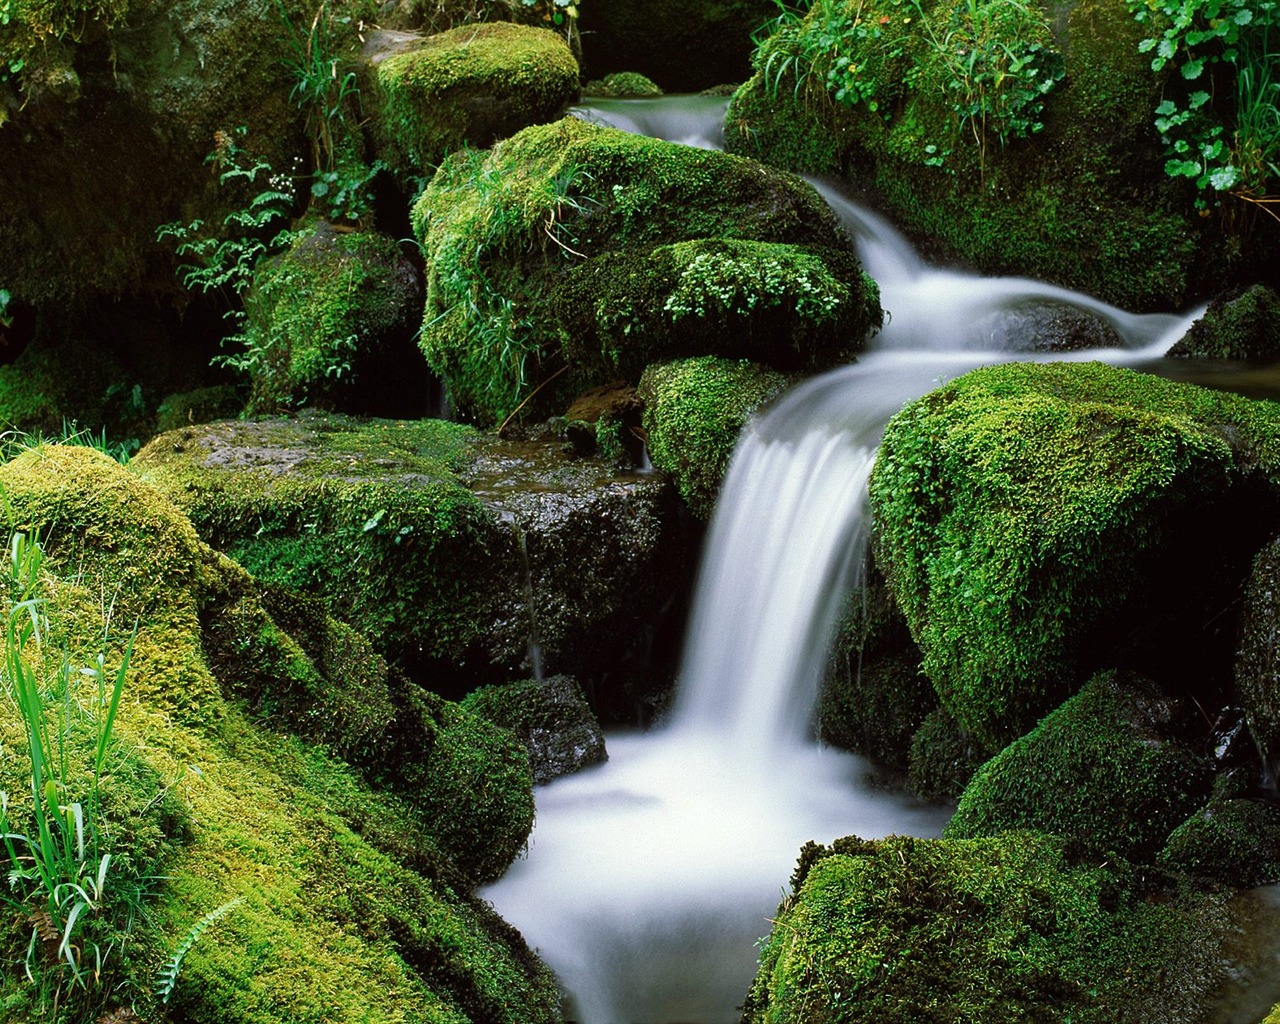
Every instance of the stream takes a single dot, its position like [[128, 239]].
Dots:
[[650, 879]]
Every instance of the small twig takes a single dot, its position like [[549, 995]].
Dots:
[[529, 398]]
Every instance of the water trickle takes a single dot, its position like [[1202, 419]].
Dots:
[[650, 878]]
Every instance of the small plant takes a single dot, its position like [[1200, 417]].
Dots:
[[167, 976], [322, 86]]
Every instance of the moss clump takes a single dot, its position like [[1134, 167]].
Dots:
[[943, 757], [187, 408], [1012, 928], [1020, 507], [1033, 155], [1243, 326], [502, 230], [694, 411], [1235, 842], [552, 719], [623, 85], [50, 386], [327, 319], [1255, 669], [791, 307], [1104, 769], [354, 903], [470, 86]]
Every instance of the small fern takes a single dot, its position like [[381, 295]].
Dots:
[[167, 976]]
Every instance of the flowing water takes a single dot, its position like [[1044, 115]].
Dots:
[[650, 878]]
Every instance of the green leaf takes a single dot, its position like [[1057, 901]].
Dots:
[[1193, 68], [1166, 108], [1243, 16], [1196, 100], [1224, 178]]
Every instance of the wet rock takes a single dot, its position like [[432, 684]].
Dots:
[[1241, 326], [1258, 658], [551, 717], [1048, 327], [1235, 842], [452, 550]]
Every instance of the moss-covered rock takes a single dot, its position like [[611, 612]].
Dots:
[[331, 323], [349, 901], [792, 307], [203, 405], [694, 411], [1106, 769], [623, 85], [682, 47], [471, 85], [1235, 842], [1259, 653], [943, 757], [1024, 516], [578, 210], [1241, 326], [1013, 928], [1034, 154], [552, 719], [412, 533], [51, 386]]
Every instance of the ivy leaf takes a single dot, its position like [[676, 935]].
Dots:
[[1193, 68]]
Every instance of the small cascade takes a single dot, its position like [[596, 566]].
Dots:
[[650, 878], [534, 658]]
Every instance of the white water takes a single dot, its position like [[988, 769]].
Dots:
[[650, 878]]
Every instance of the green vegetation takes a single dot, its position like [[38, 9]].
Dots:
[[694, 411], [982, 130], [348, 901], [1018, 507], [502, 231], [1104, 769], [471, 86], [1235, 326], [1013, 928], [1235, 842], [623, 85]]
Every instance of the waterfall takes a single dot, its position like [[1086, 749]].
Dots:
[[650, 878]]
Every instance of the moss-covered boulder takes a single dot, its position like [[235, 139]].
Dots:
[[201, 405], [428, 537], [682, 47], [1235, 842], [1013, 928], [694, 410], [552, 719], [1027, 518], [468, 86], [574, 244], [52, 385], [1259, 653], [943, 757], [1010, 137], [330, 324], [622, 85], [1106, 768], [1240, 326], [339, 900]]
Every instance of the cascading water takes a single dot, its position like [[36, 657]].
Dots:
[[650, 878]]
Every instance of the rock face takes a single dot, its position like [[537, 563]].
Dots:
[[1233, 841], [469, 86], [1258, 659], [352, 881], [1009, 928], [1106, 769], [432, 539], [1034, 154], [1243, 326], [572, 244], [1027, 517]]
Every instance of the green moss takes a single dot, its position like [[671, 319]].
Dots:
[[1010, 929], [1051, 170], [943, 757], [501, 229], [1235, 842], [694, 411], [355, 902], [623, 85], [203, 405], [791, 307], [322, 317], [1103, 769], [1243, 326], [1018, 507], [471, 86]]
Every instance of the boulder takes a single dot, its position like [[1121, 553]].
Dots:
[[575, 245], [454, 551], [1107, 769], [1015, 927], [1040, 522], [1235, 842], [468, 86], [552, 719], [1245, 325], [1258, 657]]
